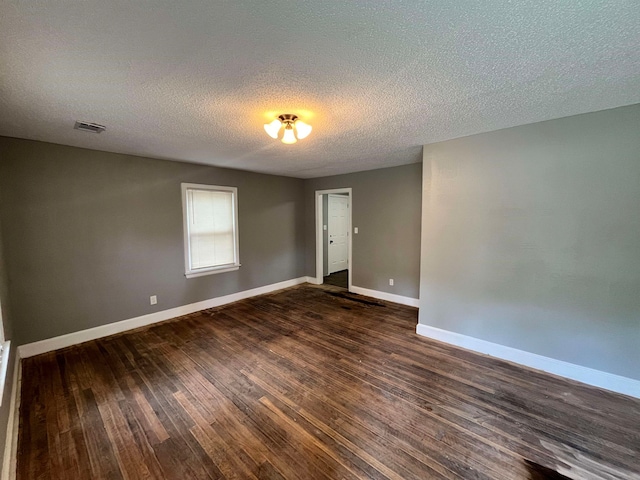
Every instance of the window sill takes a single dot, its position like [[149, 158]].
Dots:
[[212, 271]]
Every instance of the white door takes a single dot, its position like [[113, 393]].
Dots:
[[338, 233]]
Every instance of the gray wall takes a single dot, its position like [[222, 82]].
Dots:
[[386, 208], [91, 235], [531, 238]]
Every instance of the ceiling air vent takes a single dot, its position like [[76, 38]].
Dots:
[[90, 127]]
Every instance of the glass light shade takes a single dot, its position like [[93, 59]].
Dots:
[[289, 136], [273, 128], [303, 129]]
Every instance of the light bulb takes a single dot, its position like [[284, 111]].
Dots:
[[273, 128], [303, 129], [289, 137]]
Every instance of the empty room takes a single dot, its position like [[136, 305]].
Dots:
[[320, 240]]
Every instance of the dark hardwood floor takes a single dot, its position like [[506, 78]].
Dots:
[[308, 383], [338, 279]]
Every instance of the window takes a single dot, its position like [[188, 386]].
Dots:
[[4, 357], [210, 216]]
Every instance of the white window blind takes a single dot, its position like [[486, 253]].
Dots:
[[211, 234]]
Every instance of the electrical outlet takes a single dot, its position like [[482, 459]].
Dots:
[[355, 230], [391, 281], [324, 227], [153, 299]]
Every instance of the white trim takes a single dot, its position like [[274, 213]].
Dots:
[[10, 457], [50, 344], [4, 364], [1, 325], [389, 297], [319, 253], [596, 378], [312, 280], [209, 271]]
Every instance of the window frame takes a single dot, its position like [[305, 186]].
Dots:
[[228, 267], [5, 345]]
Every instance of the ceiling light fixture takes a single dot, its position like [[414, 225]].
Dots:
[[294, 128]]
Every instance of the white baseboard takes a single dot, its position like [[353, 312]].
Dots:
[[50, 344], [312, 280], [10, 457], [390, 297], [596, 378]]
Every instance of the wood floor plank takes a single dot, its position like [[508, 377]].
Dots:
[[342, 383], [275, 377], [309, 382], [101, 451]]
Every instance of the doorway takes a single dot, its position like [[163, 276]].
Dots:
[[333, 233], [338, 232]]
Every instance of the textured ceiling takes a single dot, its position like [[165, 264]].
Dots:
[[195, 80]]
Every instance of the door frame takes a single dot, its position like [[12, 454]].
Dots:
[[319, 223]]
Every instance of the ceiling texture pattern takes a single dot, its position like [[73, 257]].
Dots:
[[195, 80]]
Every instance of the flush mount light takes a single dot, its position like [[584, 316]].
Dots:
[[294, 128]]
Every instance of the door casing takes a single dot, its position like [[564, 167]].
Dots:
[[319, 220]]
